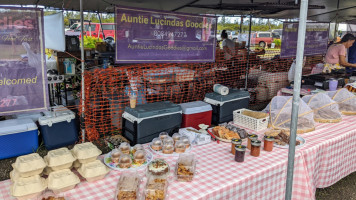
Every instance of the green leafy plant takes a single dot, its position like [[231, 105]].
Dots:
[[89, 41], [277, 42]]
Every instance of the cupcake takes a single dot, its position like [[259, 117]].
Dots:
[[140, 157], [168, 149], [176, 137], [168, 140], [125, 161], [180, 147], [125, 148], [136, 148], [115, 155], [156, 144], [163, 135], [186, 141]]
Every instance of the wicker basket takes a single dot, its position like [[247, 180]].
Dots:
[[249, 122]]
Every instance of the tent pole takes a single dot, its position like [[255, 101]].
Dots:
[[248, 52], [296, 95], [82, 62]]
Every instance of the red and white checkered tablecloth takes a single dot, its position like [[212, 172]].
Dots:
[[327, 156]]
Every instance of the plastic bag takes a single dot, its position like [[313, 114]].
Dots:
[[325, 109], [346, 101], [280, 109]]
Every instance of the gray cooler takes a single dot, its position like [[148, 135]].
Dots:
[[224, 105], [146, 121]]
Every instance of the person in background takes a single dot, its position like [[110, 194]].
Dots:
[[335, 57], [228, 46], [351, 58]]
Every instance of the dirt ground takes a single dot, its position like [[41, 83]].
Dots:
[[345, 189]]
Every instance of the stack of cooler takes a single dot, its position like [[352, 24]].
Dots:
[[146, 121], [58, 128], [17, 137], [195, 113], [224, 105]]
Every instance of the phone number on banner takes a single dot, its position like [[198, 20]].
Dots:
[[176, 34]]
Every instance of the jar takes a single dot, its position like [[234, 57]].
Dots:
[[240, 153], [268, 143], [251, 137], [255, 148], [234, 142]]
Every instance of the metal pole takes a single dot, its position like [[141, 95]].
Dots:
[[101, 26], [296, 95], [248, 52], [82, 61], [241, 21]]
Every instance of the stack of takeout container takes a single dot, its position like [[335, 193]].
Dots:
[[25, 176], [87, 164]]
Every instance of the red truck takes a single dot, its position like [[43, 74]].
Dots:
[[261, 39], [94, 30]]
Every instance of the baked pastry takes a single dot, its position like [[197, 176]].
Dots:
[[156, 188], [272, 133], [176, 137], [185, 167], [125, 148], [168, 140], [137, 147], [186, 141], [225, 133], [163, 135], [125, 161], [128, 187], [53, 198], [115, 155], [168, 148], [158, 167], [140, 157], [156, 144], [283, 138], [180, 147]]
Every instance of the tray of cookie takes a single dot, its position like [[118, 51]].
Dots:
[[281, 138], [226, 132]]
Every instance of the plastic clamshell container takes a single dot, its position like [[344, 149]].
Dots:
[[27, 188], [93, 171], [125, 148], [59, 159], [156, 188], [63, 180], [29, 165], [185, 167], [86, 152], [128, 187]]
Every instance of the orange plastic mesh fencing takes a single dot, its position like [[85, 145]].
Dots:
[[107, 90]]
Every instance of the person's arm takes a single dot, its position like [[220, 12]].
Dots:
[[343, 62], [227, 50]]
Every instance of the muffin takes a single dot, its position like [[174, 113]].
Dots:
[[136, 148], [186, 141], [163, 135], [115, 155], [140, 157], [168, 140], [125, 161], [125, 148], [168, 149], [180, 147], [156, 144], [176, 137]]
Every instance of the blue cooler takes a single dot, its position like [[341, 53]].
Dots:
[[18, 137], [58, 128], [146, 121], [224, 105]]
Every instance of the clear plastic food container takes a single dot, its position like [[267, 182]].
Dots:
[[29, 165], [158, 167], [125, 161], [137, 147], [27, 188], [86, 152], [93, 171], [140, 157], [125, 148], [115, 155], [180, 146], [59, 159], [163, 135], [156, 188], [176, 137], [156, 144], [186, 141], [61, 181], [168, 140], [128, 187], [168, 148], [185, 167]]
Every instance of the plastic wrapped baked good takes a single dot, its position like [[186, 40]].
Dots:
[[27, 188], [61, 181], [176, 137], [128, 187], [168, 148], [158, 167], [156, 144], [86, 152], [29, 165], [168, 140], [93, 171], [163, 135], [59, 159], [186, 141], [115, 155], [140, 157], [137, 147], [346, 101], [325, 109], [125, 161], [180, 147], [280, 109], [156, 188], [185, 167], [125, 148]]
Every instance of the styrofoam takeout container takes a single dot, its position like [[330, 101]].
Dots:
[[61, 181], [26, 188], [29, 165], [86, 152], [59, 159], [93, 171]]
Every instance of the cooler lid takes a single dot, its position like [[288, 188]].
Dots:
[[234, 94], [195, 107], [12, 126], [153, 109], [56, 116], [34, 116]]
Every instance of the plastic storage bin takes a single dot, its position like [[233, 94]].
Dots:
[[195, 113], [58, 128], [17, 137], [224, 105], [250, 122], [146, 121]]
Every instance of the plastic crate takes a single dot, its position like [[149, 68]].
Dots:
[[249, 122]]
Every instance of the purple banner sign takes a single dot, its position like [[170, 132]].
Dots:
[[23, 80], [316, 39], [146, 36]]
